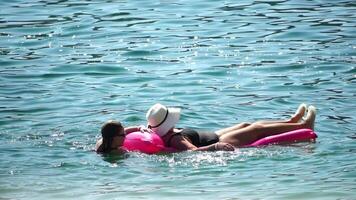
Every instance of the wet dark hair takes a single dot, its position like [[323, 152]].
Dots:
[[108, 131]]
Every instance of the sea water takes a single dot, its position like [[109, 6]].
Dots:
[[68, 66]]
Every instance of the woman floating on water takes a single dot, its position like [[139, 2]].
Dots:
[[162, 121]]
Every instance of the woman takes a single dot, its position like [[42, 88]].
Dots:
[[162, 119], [113, 136]]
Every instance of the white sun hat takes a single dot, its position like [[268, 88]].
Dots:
[[161, 119]]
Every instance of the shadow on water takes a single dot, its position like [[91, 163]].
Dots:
[[113, 158], [204, 159]]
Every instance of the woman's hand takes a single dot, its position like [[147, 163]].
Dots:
[[221, 146], [145, 129]]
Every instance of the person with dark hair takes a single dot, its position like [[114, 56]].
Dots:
[[113, 136]]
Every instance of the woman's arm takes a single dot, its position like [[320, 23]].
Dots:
[[181, 143], [131, 129], [141, 128]]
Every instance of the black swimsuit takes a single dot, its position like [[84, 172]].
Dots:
[[198, 139]]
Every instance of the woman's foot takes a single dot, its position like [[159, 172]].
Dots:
[[299, 113], [310, 118]]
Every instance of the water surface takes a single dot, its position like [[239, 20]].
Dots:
[[68, 66]]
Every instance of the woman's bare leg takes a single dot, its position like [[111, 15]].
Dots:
[[222, 132], [257, 131], [294, 119]]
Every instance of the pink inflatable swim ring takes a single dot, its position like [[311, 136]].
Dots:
[[151, 143]]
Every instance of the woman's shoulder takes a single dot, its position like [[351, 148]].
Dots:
[[98, 144], [176, 131], [168, 137]]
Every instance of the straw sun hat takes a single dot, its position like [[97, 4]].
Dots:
[[161, 119]]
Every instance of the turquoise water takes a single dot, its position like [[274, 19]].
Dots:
[[68, 66]]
